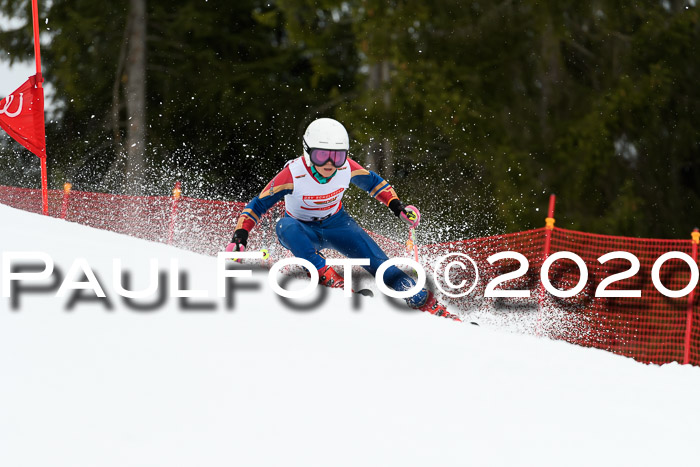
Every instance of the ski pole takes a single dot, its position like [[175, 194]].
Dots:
[[264, 251], [412, 242], [412, 216]]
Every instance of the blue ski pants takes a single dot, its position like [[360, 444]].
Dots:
[[340, 232]]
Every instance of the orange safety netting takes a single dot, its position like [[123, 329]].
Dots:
[[652, 328]]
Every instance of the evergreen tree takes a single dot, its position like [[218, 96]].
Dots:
[[225, 91], [475, 111]]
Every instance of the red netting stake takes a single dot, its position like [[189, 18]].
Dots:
[[549, 226], [177, 193], [274, 214], [691, 297], [66, 196], [548, 229]]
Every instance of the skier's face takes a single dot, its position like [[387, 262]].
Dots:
[[326, 169]]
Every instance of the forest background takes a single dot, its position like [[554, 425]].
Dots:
[[474, 111]]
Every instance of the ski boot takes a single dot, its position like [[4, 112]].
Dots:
[[329, 278], [434, 307]]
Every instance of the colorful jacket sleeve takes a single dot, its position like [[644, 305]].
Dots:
[[282, 184], [372, 183]]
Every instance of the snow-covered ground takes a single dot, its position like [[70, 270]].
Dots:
[[341, 382]]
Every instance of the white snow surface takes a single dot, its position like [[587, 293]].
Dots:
[[335, 385]]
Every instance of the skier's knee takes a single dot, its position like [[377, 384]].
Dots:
[[285, 229], [283, 225]]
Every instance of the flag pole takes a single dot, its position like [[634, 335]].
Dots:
[[39, 80], [37, 51]]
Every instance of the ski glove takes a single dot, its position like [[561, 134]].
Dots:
[[409, 214], [239, 241]]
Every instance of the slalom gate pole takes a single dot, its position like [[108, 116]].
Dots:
[[37, 52], [695, 236], [66, 196], [548, 229], [44, 187], [39, 80], [177, 194]]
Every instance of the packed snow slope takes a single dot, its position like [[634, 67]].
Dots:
[[334, 381]]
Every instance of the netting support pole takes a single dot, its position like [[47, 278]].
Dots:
[[275, 213], [66, 197], [695, 236], [548, 229], [177, 194]]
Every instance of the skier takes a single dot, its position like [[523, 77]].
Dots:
[[313, 186]]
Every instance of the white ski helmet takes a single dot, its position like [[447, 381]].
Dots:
[[325, 133]]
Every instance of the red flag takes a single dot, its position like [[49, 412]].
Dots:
[[22, 116]]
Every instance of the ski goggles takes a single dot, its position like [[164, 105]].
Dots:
[[319, 157]]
